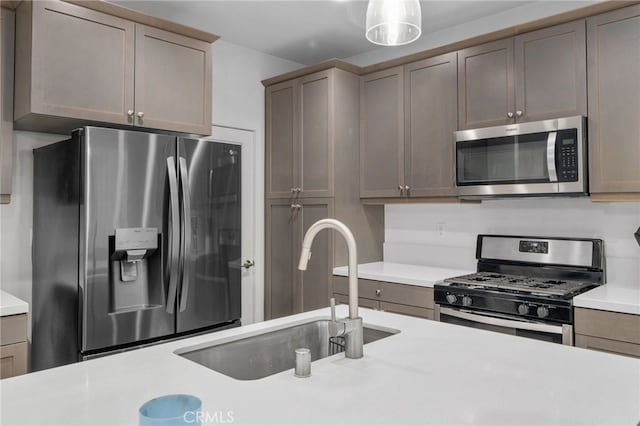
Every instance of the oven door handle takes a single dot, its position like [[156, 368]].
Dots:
[[520, 325]]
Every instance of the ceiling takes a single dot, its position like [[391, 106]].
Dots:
[[304, 31]]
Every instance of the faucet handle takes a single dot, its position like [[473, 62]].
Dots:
[[332, 302]]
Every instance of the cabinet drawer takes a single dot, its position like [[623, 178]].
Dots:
[[13, 360], [388, 292], [362, 302], [13, 329], [413, 311], [608, 325], [607, 345]]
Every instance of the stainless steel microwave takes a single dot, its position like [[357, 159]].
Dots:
[[542, 158]]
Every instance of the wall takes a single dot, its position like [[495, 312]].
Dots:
[[445, 234], [238, 101], [429, 40]]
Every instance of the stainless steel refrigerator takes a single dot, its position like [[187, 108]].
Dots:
[[136, 238]]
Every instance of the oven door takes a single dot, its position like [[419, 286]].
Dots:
[[507, 325]]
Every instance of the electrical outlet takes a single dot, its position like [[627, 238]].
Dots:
[[440, 228]]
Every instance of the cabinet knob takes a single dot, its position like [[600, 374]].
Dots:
[[298, 190], [510, 114], [293, 190], [295, 206], [140, 114], [130, 113], [401, 188], [406, 187], [519, 113], [378, 292]]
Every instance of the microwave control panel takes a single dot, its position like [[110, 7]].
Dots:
[[567, 155]]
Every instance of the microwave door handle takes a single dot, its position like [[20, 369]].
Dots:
[[551, 156], [500, 322], [187, 255], [174, 236]]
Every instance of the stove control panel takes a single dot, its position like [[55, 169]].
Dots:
[[504, 303]]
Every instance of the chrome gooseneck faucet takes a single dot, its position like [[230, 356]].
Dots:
[[350, 328]]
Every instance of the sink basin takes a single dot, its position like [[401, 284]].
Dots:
[[258, 356]]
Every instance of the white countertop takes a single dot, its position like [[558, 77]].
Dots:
[[11, 305], [611, 297], [424, 276], [429, 373]]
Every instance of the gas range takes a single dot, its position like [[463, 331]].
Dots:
[[521, 284], [527, 279]]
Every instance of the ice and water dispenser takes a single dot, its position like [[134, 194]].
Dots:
[[135, 269]]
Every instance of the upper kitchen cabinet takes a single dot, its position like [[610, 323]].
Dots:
[[172, 81], [408, 116], [485, 85], [614, 101], [7, 21], [76, 66], [382, 134], [534, 76], [430, 97], [302, 134]]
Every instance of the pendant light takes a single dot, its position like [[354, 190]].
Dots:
[[393, 22]]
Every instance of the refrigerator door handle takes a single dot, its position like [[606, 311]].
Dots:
[[174, 235], [187, 255]]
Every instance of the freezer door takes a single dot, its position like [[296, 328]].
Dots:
[[209, 293], [125, 237]]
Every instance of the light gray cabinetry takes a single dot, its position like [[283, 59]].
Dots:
[[288, 291], [408, 116], [606, 331], [534, 76], [614, 101], [430, 97], [7, 27], [382, 134], [389, 297], [300, 136], [172, 81], [13, 345], [550, 72], [77, 66], [485, 85], [311, 160]]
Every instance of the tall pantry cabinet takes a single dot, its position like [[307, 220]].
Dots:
[[312, 169]]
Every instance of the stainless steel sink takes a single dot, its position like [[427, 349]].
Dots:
[[262, 355]]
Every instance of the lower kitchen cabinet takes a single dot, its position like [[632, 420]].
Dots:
[[402, 299], [606, 331], [289, 291], [13, 345]]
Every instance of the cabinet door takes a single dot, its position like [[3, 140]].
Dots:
[[172, 82], [281, 289], [81, 63], [551, 72], [281, 136], [342, 299], [13, 360], [607, 345], [316, 145], [431, 106], [315, 280], [412, 311], [485, 85], [7, 30], [613, 55], [382, 134]]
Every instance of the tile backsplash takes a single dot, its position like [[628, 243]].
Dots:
[[445, 234]]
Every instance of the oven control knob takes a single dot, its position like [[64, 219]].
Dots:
[[466, 301], [451, 298], [523, 309], [543, 312]]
